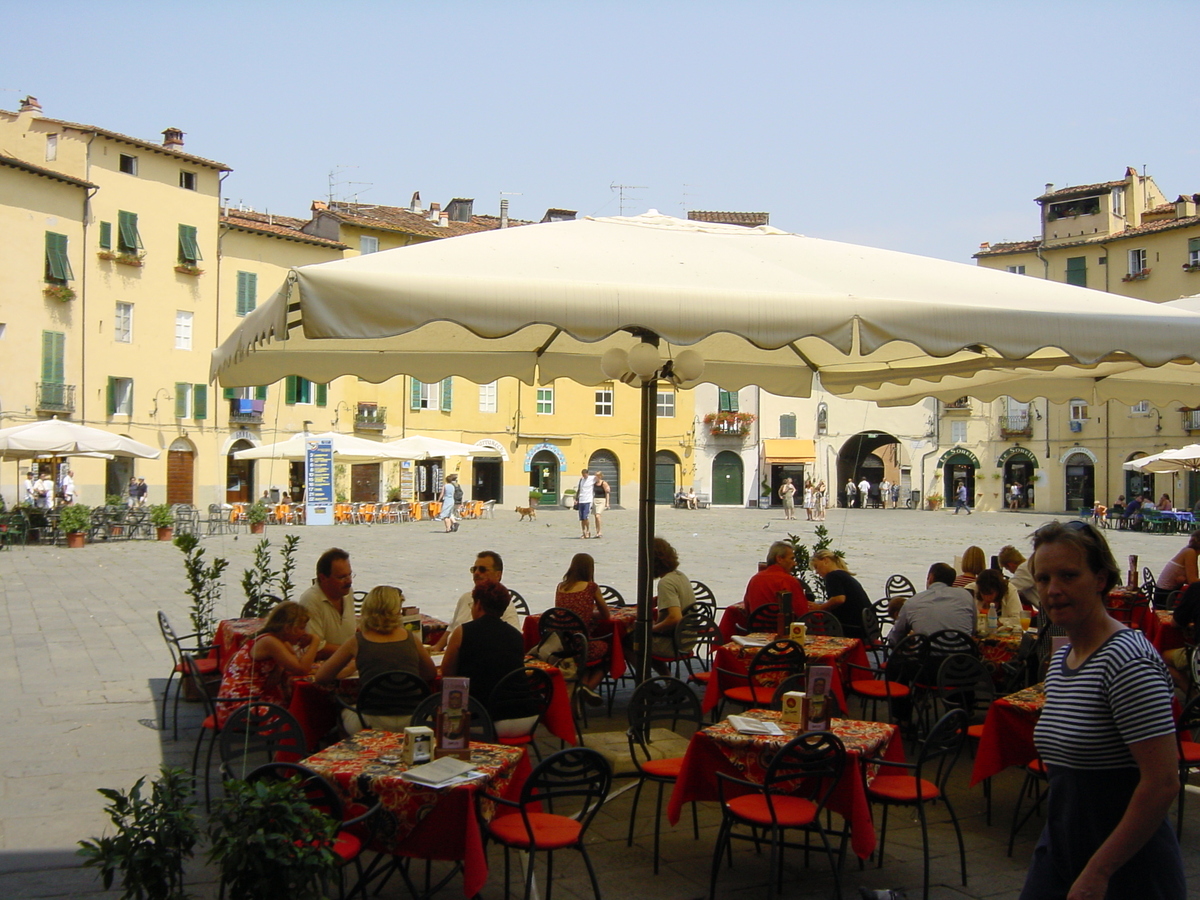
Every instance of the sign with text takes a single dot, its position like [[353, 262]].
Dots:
[[318, 482]]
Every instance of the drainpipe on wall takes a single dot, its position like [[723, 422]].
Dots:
[[220, 238], [937, 442], [83, 332]]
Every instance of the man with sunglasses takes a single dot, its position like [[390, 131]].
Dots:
[[488, 567]]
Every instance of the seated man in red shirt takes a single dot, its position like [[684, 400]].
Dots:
[[777, 576]]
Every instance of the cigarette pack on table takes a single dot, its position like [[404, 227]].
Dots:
[[798, 633], [418, 745], [793, 707], [816, 713]]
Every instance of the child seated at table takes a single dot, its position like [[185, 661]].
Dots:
[[259, 669]]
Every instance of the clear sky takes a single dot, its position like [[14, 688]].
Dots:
[[919, 126]]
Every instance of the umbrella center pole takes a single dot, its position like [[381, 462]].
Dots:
[[645, 591]]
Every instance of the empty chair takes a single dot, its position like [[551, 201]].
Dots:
[[763, 619], [208, 668], [514, 697], [770, 665], [611, 596], [389, 700], [258, 733], [823, 623], [518, 602]]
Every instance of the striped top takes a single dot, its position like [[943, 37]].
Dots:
[[1120, 695]]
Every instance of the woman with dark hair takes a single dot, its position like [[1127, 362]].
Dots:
[[991, 587], [675, 597], [579, 593], [259, 669], [1179, 571], [1106, 735], [846, 597]]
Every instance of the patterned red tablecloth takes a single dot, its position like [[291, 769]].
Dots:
[[558, 720], [422, 822], [732, 619], [231, 634], [821, 651], [720, 748], [1162, 631], [998, 648], [1008, 733], [620, 622]]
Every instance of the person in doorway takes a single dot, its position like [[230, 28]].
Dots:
[[787, 493], [1014, 496], [960, 498], [585, 492], [851, 490], [599, 500], [819, 502], [885, 493], [864, 492]]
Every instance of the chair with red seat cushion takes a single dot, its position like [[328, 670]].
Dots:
[[927, 783], [209, 725], [792, 796], [823, 623], [1187, 734], [964, 682], [773, 663], [208, 667], [690, 631], [893, 682], [764, 619], [659, 702], [1036, 775], [521, 689], [577, 775]]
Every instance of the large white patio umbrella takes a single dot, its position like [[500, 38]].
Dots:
[[596, 299], [1179, 459], [418, 446], [346, 448], [59, 437]]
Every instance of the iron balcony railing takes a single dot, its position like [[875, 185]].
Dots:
[[371, 418], [59, 398]]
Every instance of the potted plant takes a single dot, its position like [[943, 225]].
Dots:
[[204, 586], [934, 501], [188, 269], [162, 519], [568, 499], [269, 842], [257, 515], [74, 521], [535, 497], [59, 292], [137, 260], [154, 835]]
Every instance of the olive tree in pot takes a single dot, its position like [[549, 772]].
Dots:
[[162, 519], [257, 515], [74, 521]]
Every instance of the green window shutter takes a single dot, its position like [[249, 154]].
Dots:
[[1077, 271], [447, 394], [247, 292], [189, 249], [230, 393], [1193, 245], [199, 401], [727, 401], [414, 397], [58, 266], [260, 392], [322, 394], [131, 406], [128, 239], [111, 396], [53, 362], [106, 235], [289, 390], [181, 396]]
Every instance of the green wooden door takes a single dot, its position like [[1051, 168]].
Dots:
[[727, 487]]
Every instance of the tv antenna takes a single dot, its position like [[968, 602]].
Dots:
[[622, 188], [334, 184]]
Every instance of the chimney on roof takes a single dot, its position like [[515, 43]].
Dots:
[[172, 138], [444, 220], [435, 210], [30, 105], [460, 209], [1049, 187], [414, 205], [503, 212], [1185, 206]]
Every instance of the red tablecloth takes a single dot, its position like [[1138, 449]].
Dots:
[[619, 622], [732, 619], [822, 651], [315, 707], [1162, 631], [558, 719], [998, 648], [719, 748], [231, 634], [1120, 599], [1008, 733], [425, 823]]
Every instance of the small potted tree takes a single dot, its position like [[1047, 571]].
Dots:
[[934, 500], [257, 515], [162, 519], [74, 521]]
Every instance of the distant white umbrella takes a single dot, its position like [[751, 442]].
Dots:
[[346, 448], [1181, 459], [59, 437], [421, 447]]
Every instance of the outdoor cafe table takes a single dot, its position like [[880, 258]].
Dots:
[[997, 648], [1008, 733], [621, 621], [424, 822], [720, 748], [820, 650], [733, 620], [558, 718]]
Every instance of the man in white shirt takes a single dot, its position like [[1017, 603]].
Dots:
[[43, 491], [488, 567], [584, 493], [864, 492], [68, 487], [331, 618], [940, 607]]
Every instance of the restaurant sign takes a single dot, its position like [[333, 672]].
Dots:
[[1019, 453], [958, 456], [318, 482], [550, 448]]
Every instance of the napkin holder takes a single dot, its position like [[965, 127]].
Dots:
[[418, 745]]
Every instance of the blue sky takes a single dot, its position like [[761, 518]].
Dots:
[[923, 127]]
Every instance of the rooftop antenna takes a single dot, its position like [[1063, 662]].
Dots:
[[683, 201], [622, 188], [334, 184]]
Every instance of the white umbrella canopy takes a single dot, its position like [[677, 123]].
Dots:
[[1180, 459], [346, 448], [59, 437], [418, 446]]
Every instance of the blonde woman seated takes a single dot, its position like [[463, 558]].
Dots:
[[973, 562], [381, 644], [259, 669]]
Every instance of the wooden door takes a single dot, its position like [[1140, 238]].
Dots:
[[181, 466]]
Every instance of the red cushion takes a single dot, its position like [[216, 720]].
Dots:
[[204, 665], [879, 689], [702, 677], [516, 740], [975, 731], [550, 832], [663, 768], [902, 788], [1189, 752], [790, 812], [1037, 767], [747, 694], [347, 845], [210, 723]]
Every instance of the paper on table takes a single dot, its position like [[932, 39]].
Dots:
[[746, 641], [440, 772], [745, 725]]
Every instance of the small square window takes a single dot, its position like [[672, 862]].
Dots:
[[1141, 408], [368, 244], [545, 401], [666, 405], [128, 164], [787, 425], [51, 147], [1137, 262], [187, 180], [123, 324], [1017, 270], [183, 330], [604, 401], [1079, 410]]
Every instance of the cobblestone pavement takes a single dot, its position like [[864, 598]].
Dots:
[[82, 664]]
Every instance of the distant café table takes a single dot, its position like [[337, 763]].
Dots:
[[820, 650], [997, 648], [424, 822], [1008, 733], [621, 621], [720, 748]]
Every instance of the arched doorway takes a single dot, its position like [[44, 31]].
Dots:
[[874, 455], [181, 472], [666, 466], [543, 476], [605, 462], [1019, 467], [728, 489], [239, 475], [1080, 481], [958, 465], [1138, 482]]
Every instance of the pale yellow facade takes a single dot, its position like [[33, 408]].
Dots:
[[1125, 237]]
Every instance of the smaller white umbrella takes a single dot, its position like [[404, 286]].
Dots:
[[1182, 459], [346, 448], [421, 447], [58, 437]]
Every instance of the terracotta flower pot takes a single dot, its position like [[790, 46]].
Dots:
[[258, 527], [76, 539], [165, 532]]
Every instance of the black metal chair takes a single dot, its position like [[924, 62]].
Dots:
[[578, 778], [763, 619], [518, 602], [1188, 742], [703, 594], [770, 665], [387, 694], [209, 668], [965, 683], [823, 623], [254, 734], [688, 634], [611, 596], [659, 702], [793, 795], [482, 729], [521, 689]]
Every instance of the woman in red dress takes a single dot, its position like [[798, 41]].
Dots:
[[259, 669], [579, 593]]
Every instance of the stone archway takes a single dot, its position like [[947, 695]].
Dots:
[[606, 463], [875, 455], [239, 475]]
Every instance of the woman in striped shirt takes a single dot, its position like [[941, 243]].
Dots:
[[1106, 734]]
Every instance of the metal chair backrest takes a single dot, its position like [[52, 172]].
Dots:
[[359, 598], [320, 794], [482, 727], [796, 682], [691, 629], [192, 672], [765, 618], [1018, 668], [964, 682], [823, 623], [661, 702], [254, 733], [776, 661], [907, 659], [611, 596], [1149, 584], [518, 602], [168, 633], [703, 594], [940, 750], [390, 694], [521, 689], [809, 765], [576, 778], [898, 586], [948, 641], [558, 619], [872, 631]]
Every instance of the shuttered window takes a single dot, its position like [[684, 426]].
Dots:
[[727, 401], [53, 358], [447, 394], [189, 249], [128, 238], [1077, 271], [58, 267], [199, 401], [106, 235], [247, 292]]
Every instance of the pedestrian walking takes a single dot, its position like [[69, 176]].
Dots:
[[960, 498]]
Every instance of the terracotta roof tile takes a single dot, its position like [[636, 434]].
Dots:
[[258, 223], [1127, 234], [1009, 247], [1079, 190], [45, 173], [748, 219], [401, 219]]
